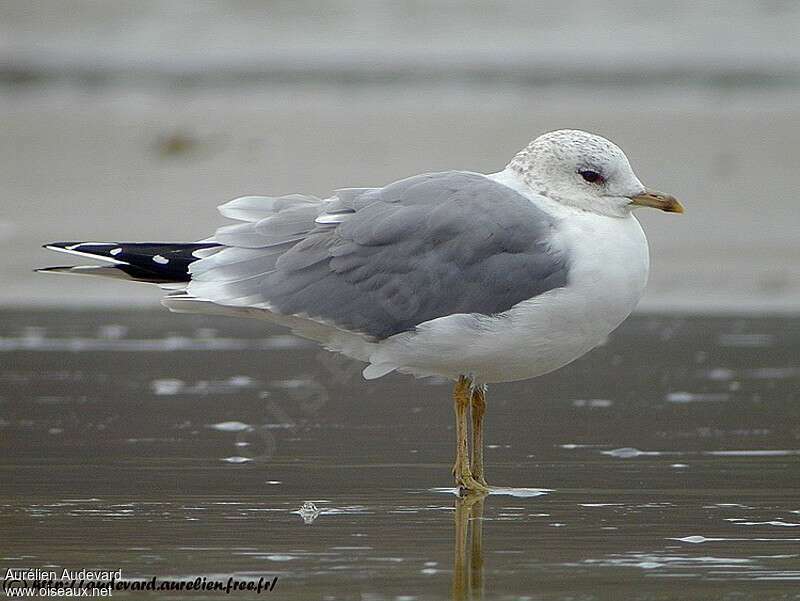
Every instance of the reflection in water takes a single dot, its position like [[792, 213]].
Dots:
[[468, 565]]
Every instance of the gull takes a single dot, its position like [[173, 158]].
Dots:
[[466, 276]]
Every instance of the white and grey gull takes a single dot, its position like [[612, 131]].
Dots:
[[471, 277]]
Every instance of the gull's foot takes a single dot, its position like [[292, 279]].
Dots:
[[466, 482], [477, 475], [472, 486]]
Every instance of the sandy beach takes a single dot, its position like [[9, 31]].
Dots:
[[149, 165]]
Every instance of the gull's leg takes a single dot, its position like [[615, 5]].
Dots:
[[478, 410], [461, 399], [462, 394]]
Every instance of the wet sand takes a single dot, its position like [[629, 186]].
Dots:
[[663, 465]]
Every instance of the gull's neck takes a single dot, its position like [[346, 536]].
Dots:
[[514, 179]]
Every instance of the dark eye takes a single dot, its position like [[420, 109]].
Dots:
[[592, 177]]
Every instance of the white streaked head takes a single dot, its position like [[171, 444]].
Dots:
[[587, 172]]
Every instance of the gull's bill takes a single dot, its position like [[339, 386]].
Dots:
[[657, 200]]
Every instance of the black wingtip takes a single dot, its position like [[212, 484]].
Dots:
[[155, 262]]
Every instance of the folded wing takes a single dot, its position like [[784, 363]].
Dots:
[[381, 261]]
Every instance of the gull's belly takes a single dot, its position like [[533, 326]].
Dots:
[[608, 272]]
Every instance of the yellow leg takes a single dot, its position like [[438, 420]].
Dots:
[[462, 394], [478, 411]]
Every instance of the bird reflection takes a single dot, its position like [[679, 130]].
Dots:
[[468, 547]]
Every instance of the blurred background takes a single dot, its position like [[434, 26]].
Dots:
[[132, 120]]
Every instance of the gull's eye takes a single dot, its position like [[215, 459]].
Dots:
[[592, 176]]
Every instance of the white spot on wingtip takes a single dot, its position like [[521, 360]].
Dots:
[[160, 260], [115, 251]]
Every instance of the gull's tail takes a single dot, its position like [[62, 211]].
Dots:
[[162, 263]]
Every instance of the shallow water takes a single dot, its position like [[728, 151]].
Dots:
[[664, 465]]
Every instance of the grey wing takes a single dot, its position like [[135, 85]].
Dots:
[[382, 261]]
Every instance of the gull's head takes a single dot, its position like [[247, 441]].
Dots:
[[587, 172]]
